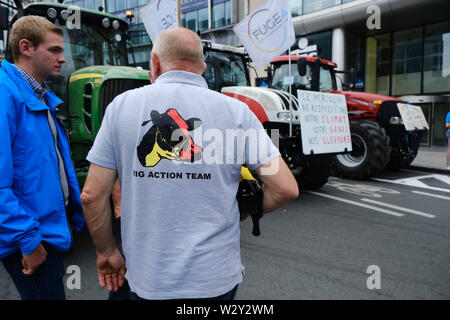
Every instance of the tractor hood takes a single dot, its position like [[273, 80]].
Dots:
[[366, 97], [366, 103], [269, 105], [103, 73], [91, 90]]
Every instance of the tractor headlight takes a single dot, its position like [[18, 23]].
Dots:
[[51, 13], [116, 24], [64, 15], [396, 120], [283, 116], [106, 23]]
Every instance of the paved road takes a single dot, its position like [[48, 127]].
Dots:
[[392, 233]]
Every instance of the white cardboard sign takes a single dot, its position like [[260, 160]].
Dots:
[[324, 122], [413, 117]]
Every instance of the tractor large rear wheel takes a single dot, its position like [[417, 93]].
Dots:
[[371, 152]]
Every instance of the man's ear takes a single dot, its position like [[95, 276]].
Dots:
[[25, 47], [204, 67], [155, 71]]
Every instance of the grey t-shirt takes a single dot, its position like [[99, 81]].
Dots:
[[178, 148]]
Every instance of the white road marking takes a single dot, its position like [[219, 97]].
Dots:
[[432, 195], [361, 189], [392, 213], [419, 213], [415, 182], [442, 178]]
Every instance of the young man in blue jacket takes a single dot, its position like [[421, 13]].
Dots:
[[39, 192]]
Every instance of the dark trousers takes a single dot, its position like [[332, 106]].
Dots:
[[230, 295], [46, 283]]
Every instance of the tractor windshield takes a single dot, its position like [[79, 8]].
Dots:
[[225, 69], [91, 45], [327, 82], [280, 79]]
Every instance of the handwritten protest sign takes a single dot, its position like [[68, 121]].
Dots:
[[324, 122], [412, 116]]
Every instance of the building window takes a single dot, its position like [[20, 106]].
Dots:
[[407, 62], [296, 7], [195, 14], [92, 5], [316, 5], [138, 34], [221, 13], [436, 66], [111, 6], [203, 19], [131, 4], [355, 58], [191, 20], [121, 5]]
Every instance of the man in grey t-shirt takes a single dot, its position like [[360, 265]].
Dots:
[[177, 148]]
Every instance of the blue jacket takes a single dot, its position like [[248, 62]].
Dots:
[[31, 198]]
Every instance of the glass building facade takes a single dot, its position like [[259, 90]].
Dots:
[[88, 4], [410, 61], [202, 15], [302, 7]]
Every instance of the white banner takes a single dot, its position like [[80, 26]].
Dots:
[[413, 117], [267, 32], [324, 122], [158, 16]]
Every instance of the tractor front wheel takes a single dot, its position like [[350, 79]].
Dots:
[[370, 153]]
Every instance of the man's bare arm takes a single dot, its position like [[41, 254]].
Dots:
[[97, 211], [96, 205], [279, 185]]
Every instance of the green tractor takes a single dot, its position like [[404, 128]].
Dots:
[[96, 71]]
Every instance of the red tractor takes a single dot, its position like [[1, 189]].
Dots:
[[379, 138], [228, 73]]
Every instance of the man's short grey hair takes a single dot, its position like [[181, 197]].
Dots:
[[179, 44]]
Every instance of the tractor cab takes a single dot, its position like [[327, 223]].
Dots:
[[226, 66], [99, 40], [308, 73]]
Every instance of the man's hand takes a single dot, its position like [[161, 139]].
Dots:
[[111, 270], [34, 260], [279, 185]]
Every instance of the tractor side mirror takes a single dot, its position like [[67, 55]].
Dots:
[[301, 66], [269, 72], [3, 18], [353, 76]]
